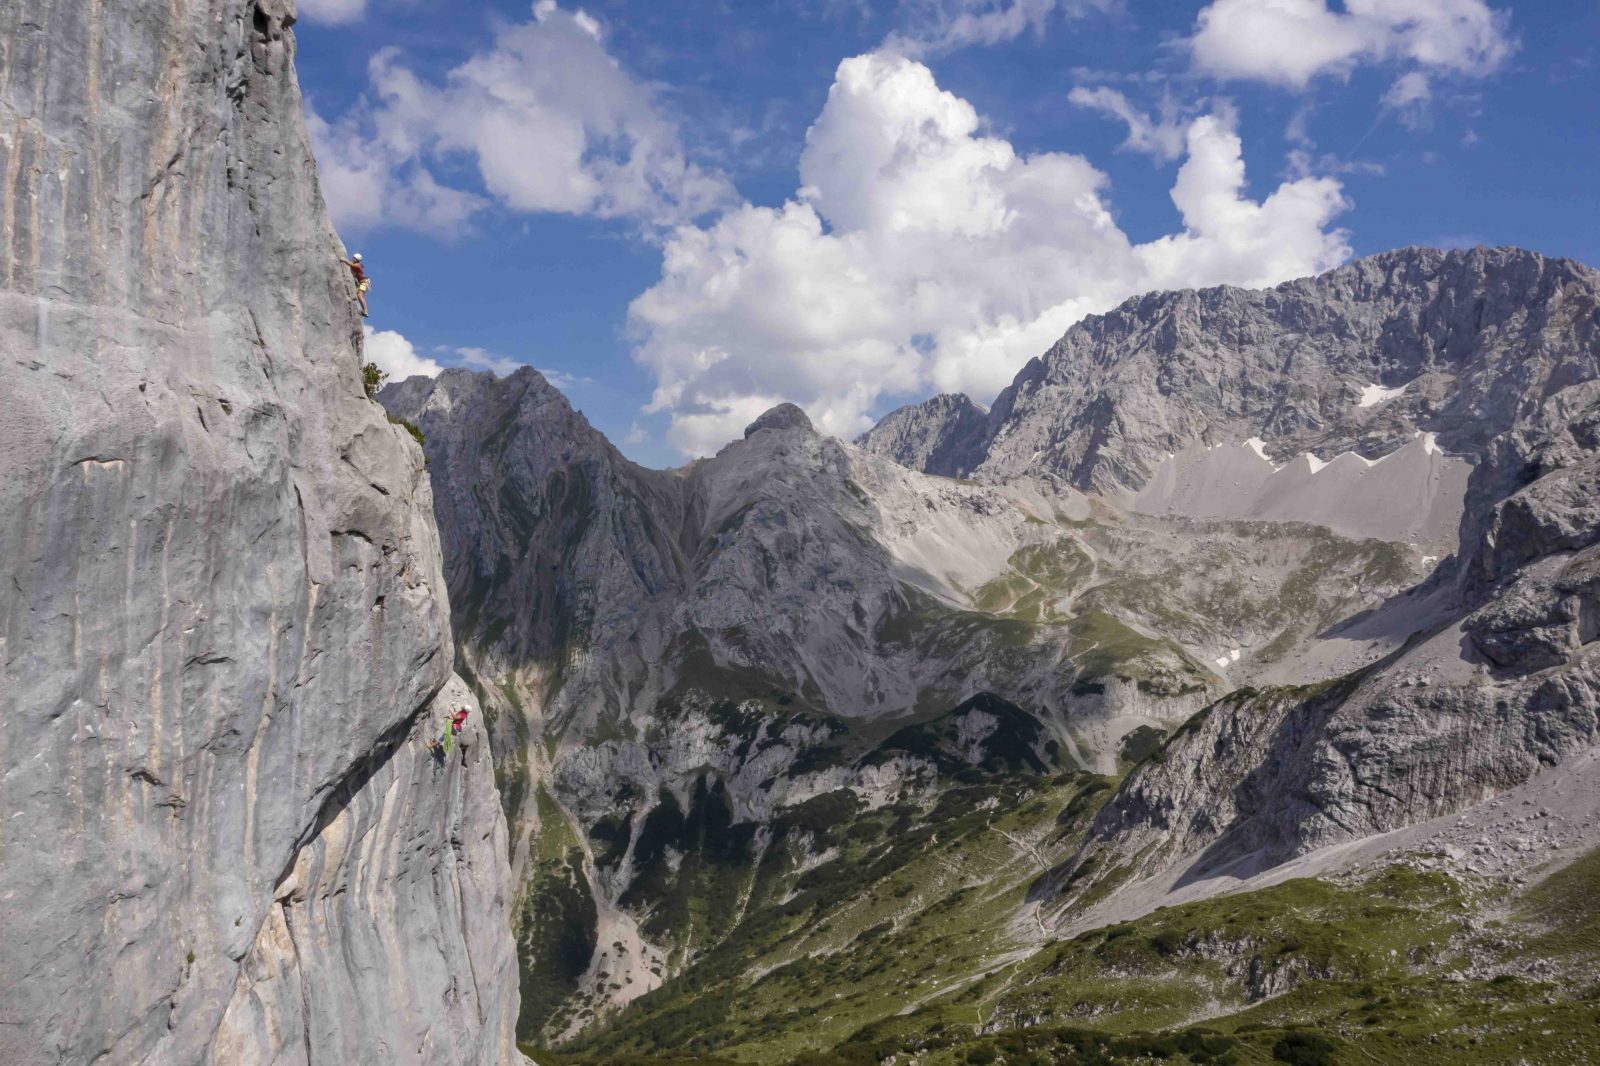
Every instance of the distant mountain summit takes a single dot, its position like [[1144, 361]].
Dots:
[[1462, 344], [943, 435]]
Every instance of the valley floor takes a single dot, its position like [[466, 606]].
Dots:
[[1474, 939]]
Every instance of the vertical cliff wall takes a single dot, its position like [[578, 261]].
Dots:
[[223, 625]]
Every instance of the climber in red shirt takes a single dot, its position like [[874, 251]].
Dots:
[[452, 729], [363, 283]]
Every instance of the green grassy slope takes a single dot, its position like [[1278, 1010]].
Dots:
[[1403, 967]]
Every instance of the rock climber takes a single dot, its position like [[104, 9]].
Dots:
[[452, 728], [363, 283]]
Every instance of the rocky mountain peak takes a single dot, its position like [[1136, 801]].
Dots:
[[783, 416], [1464, 344], [941, 435]]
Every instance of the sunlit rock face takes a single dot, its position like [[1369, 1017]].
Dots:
[[224, 634]]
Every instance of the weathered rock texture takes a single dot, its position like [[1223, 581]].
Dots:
[[1274, 404], [389, 898], [223, 621]]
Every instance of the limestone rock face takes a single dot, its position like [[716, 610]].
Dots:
[[223, 621], [441, 971]]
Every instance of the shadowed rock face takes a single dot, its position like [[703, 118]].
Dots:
[[224, 633], [943, 435]]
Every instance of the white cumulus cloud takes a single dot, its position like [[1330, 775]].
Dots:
[[395, 355], [548, 118], [1228, 237], [920, 252], [1290, 42], [367, 182]]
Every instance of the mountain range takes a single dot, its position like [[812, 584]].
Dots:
[[1225, 692], [1228, 587]]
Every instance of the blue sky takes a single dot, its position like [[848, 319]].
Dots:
[[685, 212]]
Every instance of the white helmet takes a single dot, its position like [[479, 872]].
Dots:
[[356, 257]]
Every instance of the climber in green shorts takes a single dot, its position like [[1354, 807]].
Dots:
[[452, 727]]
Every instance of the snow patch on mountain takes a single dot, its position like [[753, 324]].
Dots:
[[1413, 494], [1373, 395]]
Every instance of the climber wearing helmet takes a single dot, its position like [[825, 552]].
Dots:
[[359, 272], [452, 729]]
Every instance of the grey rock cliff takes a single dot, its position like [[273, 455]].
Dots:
[[389, 939], [223, 627]]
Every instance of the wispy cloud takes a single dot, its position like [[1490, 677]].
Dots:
[[480, 359], [1160, 135], [1409, 98], [332, 12], [502, 365], [564, 381], [942, 25], [399, 359]]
